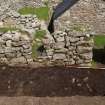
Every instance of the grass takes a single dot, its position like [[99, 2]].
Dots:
[[94, 64], [35, 46], [99, 41], [41, 12], [39, 34], [6, 29]]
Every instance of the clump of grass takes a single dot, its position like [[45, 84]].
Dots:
[[99, 41], [35, 47], [41, 12], [39, 34], [94, 64], [6, 29]]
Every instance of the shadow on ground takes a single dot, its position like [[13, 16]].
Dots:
[[99, 55], [51, 81]]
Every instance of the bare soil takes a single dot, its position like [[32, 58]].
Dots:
[[51, 81]]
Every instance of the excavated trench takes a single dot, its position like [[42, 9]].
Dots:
[[51, 81]]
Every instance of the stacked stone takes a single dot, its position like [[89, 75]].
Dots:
[[28, 23], [71, 48], [18, 4], [80, 48], [15, 48]]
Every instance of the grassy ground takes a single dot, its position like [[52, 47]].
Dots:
[[5, 29], [40, 34], [42, 12], [99, 41]]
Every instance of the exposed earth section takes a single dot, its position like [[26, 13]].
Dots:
[[51, 81], [75, 100]]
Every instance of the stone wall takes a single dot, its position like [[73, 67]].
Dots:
[[28, 23], [86, 12], [15, 48], [70, 48], [69, 45]]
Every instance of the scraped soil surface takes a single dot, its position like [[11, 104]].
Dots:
[[51, 81]]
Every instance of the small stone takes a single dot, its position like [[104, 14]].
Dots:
[[3, 68], [4, 60], [73, 80], [8, 43], [1, 51], [79, 85], [85, 79]]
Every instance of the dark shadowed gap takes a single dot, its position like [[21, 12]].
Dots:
[[41, 51], [99, 55]]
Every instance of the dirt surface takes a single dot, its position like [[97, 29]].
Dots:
[[75, 100], [51, 81]]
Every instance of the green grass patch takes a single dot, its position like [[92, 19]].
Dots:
[[94, 64], [6, 29], [99, 41], [40, 34], [41, 12], [35, 46]]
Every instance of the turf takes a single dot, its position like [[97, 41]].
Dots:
[[41, 12]]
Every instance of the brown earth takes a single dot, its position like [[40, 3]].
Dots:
[[51, 81], [74, 100]]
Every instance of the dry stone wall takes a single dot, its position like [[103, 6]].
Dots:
[[15, 48], [86, 12], [69, 45], [70, 48]]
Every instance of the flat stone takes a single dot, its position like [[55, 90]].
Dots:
[[10, 55], [73, 39], [18, 60], [9, 50], [59, 56], [87, 56], [7, 36], [59, 45], [63, 50], [82, 49]]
